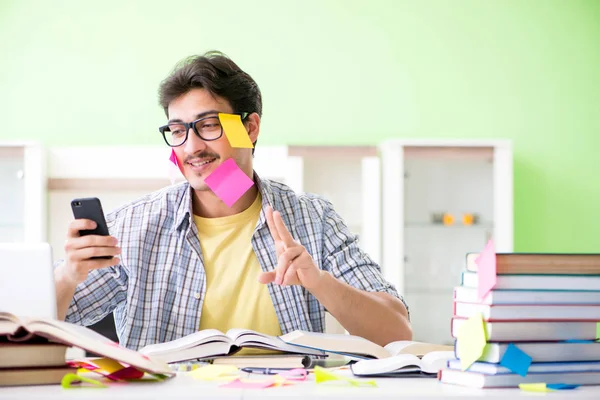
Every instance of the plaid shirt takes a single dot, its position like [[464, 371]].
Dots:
[[156, 292]]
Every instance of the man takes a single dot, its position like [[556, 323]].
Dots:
[[183, 260]]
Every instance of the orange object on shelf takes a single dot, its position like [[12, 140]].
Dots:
[[468, 219], [447, 219]]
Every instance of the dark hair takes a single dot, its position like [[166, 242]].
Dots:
[[219, 75]]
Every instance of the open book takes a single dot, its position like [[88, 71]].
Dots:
[[23, 329], [358, 347], [209, 343], [404, 364]]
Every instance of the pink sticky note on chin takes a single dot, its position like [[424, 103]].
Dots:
[[486, 270], [229, 182]]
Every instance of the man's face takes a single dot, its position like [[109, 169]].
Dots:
[[199, 158]]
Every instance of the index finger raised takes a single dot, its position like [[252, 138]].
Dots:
[[284, 234]]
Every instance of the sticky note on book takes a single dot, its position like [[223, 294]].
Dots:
[[486, 270], [235, 131], [471, 339], [516, 360]]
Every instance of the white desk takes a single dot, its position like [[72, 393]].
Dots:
[[183, 387]]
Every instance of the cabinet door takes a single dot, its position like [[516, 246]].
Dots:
[[12, 199]]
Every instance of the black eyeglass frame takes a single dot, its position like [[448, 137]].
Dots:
[[192, 125]]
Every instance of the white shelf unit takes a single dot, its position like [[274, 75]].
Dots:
[[23, 195], [422, 257], [349, 177]]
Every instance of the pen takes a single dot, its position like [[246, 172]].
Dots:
[[265, 371]]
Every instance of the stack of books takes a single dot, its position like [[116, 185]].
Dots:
[[35, 362], [33, 351], [526, 318]]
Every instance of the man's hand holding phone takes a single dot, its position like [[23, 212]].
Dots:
[[82, 251]]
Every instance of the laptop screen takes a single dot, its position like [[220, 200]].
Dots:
[[27, 280]]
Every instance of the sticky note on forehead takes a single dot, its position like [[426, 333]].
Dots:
[[229, 182], [235, 131]]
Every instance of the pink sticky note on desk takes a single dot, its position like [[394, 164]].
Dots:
[[486, 270], [229, 182], [239, 384]]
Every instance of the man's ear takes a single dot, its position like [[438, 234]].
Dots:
[[252, 123]]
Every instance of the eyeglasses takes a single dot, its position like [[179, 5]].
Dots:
[[206, 128]]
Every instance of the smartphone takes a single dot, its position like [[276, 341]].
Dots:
[[91, 208]]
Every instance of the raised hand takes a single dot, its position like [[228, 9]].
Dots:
[[294, 265]]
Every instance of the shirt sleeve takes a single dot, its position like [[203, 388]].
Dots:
[[346, 261], [97, 296], [103, 290]]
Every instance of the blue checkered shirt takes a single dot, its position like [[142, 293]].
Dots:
[[156, 292]]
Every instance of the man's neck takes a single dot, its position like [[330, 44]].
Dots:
[[207, 205]]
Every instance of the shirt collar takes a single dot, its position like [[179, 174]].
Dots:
[[184, 209]]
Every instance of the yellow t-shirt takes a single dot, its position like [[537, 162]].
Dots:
[[234, 298]]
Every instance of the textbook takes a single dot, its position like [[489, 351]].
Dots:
[[538, 282], [358, 347], [532, 331], [534, 368], [210, 343], [404, 364], [22, 329], [469, 295], [479, 380], [531, 312], [542, 263], [273, 361], [542, 351], [26, 355]]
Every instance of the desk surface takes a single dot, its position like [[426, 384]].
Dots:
[[184, 387]]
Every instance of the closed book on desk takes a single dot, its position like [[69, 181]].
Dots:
[[470, 295], [542, 351], [404, 365], [209, 343], [270, 361], [478, 380], [542, 263], [34, 376], [538, 282], [20, 355], [530, 331], [358, 347], [537, 367], [20, 329], [529, 312]]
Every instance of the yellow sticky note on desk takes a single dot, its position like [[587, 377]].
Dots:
[[235, 131], [597, 330], [534, 387], [215, 372], [323, 375], [472, 339], [107, 364]]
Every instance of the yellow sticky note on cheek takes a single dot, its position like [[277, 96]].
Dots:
[[235, 131]]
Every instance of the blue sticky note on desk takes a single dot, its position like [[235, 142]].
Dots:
[[516, 360], [561, 386]]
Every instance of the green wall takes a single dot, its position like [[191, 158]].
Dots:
[[356, 72]]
